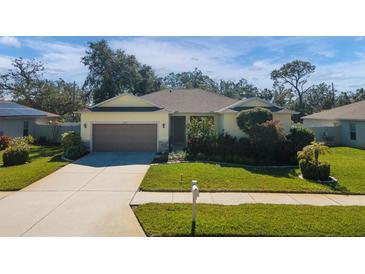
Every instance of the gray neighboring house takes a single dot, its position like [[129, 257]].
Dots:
[[341, 126], [18, 120]]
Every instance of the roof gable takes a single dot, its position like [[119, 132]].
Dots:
[[125, 100], [250, 103]]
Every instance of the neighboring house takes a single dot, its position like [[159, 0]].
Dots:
[[155, 121], [343, 125], [18, 120]]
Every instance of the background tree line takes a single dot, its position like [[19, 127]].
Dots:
[[112, 72]]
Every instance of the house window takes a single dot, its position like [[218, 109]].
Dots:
[[210, 118], [352, 131], [26, 128]]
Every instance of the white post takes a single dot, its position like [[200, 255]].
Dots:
[[195, 192]]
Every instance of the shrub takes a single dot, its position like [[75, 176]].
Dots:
[[4, 142], [324, 170], [29, 139], [267, 138], [74, 152], [200, 156], [177, 156], [70, 139], [309, 163], [18, 141], [16, 155], [300, 137], [160, 158], [249, 118], [201, 137], [308, 169]]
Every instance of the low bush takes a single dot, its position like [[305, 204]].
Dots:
[[18, 141], [74, 152], [72, 146], [16, 155], [177, 156], [4, 142], [309, 163], [70, 139], [29, 139]]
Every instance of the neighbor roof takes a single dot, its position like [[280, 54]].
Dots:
[[189, 100], [11, 109], [355, 111]]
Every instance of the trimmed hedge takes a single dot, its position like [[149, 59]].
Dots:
[[71, 144], [16, 155]]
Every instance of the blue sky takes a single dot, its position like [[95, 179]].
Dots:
[[340, 60]]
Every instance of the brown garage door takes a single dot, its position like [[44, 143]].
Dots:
[[125, 137]]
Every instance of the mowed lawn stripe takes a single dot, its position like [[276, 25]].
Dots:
[[252, 220], [43, 161], [347, 164]]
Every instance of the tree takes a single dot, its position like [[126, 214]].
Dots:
[[282, 96], [112, 72], [59, 97], [319, 97], [240, 89], [295, 75], [190, 79], [359, 95], [343, 99], [22, 82]]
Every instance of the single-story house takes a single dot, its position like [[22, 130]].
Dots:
[[157, 121], [343, 125], [17, 120]]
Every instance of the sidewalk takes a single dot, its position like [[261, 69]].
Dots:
[[229, 198]]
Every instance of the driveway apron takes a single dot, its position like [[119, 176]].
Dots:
[[89, 197]]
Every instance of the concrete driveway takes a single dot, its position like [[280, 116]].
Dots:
[[89, 197]]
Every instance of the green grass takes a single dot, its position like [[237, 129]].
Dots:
[[43, 161], [347, 165], [252, 220]]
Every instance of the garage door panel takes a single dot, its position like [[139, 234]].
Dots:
[[124, 137]]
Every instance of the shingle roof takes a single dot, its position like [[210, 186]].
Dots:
[[355, 111], [189, 100], [11, 109]]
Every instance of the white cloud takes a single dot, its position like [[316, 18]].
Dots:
[[61, 60], [10, 41]]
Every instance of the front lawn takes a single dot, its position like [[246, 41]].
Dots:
[[252, 220], [43, 161], [347, 164]]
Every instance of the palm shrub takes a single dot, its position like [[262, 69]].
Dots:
[[309, 163]]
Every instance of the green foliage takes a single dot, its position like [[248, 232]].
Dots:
[[4, 142], [72, 146], [112, 72], [295, 76], [29, 139], [300, 137], [309, 163], [74, 152], [17, 153], [18, 141], [267, 139], [201, 136], [70, 139], [177, 156], [247, 119]]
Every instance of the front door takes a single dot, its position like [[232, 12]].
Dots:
[[178, 131]]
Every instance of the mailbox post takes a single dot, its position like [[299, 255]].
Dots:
[[195, 193]]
